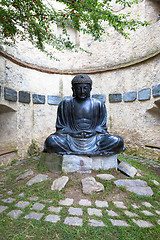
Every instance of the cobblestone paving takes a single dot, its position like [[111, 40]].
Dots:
[[77, 214], [143, 161], [117, 213]]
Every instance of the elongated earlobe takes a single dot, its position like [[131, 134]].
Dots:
[[74, 94]]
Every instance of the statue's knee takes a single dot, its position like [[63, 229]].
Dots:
[[49, 143]]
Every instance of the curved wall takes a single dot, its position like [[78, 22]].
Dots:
[[125, 73]]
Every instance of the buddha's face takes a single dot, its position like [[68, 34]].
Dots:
[[81, 90]]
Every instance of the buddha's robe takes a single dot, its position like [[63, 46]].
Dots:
[[82, 135]]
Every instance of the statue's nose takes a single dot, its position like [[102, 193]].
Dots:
[[82, 90]]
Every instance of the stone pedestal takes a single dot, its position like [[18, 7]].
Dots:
[[51, 162], [76, 163], [104, 162]]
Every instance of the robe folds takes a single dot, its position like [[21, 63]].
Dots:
[[85, 136]]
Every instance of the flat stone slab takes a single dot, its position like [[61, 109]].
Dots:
[[15, 214], [147, 213], [37, 179], [10, 94], [142, 191], [115, 97], [127, 169], [24, 97], [105, 176], [119, 204], [22, 204], [130, 183], [54, 209], [135, 206], [34, 215], [25, 175], [47, 200], [33, 198], [21, 194], [137, 186], [8, 200], [74, 163], [66, 202], [155, 182], [129, 96], [146, 204], [52, 218], [38, 99], [112, 213], [116, 222], [142, 223], [3, 208], [130, 214], [94, 211], [90, 185], [74, 221], [59, 183], [144, 94], [85, 202], [158, 212], [54, 100], [95, 223], [10, 192], [75, 211], [38, 206], [101, 204]]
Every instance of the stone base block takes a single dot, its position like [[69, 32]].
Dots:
[[84, 164], [76, 163], [51, 162], [104, 162]]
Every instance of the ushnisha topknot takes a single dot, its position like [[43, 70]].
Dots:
[[81, 78]]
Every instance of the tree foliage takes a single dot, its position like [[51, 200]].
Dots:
[[33, 20]]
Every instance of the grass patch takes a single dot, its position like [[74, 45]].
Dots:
[[12, 229]]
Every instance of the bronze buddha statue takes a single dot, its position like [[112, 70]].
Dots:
[[81, 125]]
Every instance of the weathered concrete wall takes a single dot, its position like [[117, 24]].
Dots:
[[117, 66]]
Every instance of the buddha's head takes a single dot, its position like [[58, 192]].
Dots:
[[81, 86]]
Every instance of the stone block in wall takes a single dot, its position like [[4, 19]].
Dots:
[[101, 97], [38, 99], [24, 97], [144, 94], [129, 96], [10, 94], [54, 100], [115, 97], [156, 90]]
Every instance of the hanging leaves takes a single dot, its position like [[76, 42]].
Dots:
[[33, 20]]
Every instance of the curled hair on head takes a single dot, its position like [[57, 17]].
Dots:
[[81, 78]]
